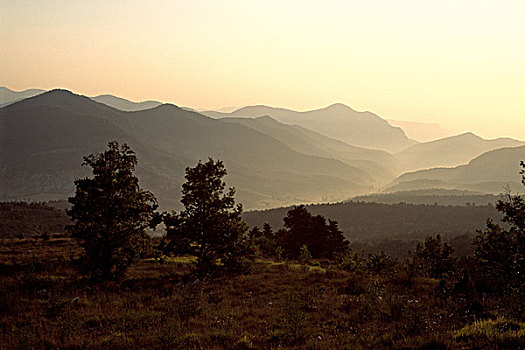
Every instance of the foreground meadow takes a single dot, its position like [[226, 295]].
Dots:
[[44, 304]]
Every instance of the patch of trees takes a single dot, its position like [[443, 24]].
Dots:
[[375, 221], [433, 258], [20, 219], [500, 249], [430, 197], [462, 245], [302, 233], [111, 213]]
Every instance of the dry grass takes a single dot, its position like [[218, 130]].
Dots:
[[45, 304]]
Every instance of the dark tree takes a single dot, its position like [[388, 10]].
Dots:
[[500, 251], [268, 232], [433, 258], [379, 262], [265, 241], [301, 228], [210, 226], [111, 212], [255, 233]]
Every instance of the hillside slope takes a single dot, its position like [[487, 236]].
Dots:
[[125, 105], [362, 129], [47, 136], [450, 151], [8, 96], [380, 164], [491, 172]]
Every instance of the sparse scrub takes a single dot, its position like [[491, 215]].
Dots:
[[277, 304]]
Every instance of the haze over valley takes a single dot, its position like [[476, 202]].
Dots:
[[274, 156]]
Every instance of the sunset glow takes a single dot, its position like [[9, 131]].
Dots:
[[457, 63]]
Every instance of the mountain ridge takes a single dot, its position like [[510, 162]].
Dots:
[[490, 172], [50, 133], [380, 164], [337, 121], [8, 96], [450, 151], [125, 104]]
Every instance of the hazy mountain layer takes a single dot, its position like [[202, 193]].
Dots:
[[421, 132], [380, 164], [47, 136], [362, 129], [271, 163], [491, 173], [450, 151], [8, 96], [125, 105]]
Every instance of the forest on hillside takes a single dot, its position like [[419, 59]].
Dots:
[[21, 219], [369, 221], [359, 221]]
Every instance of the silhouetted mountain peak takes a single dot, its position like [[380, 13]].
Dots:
[[59, 92], [258, 109], [339, 107], [56, 96], [66, 100], [470, 135], [338, 121], [169, 107]]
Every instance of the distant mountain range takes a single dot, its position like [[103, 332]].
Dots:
[[380, 164], [274, 157], [490, 172], [362, 129], [47, 136], [8, 96], [451, 151], [125, 105]]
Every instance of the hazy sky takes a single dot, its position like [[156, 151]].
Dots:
[[459, 63]]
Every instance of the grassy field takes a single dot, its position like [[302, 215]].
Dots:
[[45, 304]]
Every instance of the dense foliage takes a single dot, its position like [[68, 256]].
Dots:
[[111, 212], [322, 240], [500, 250], [210, 226], [433, 257]]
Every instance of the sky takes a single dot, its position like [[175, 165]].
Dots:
[[458, 63]]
